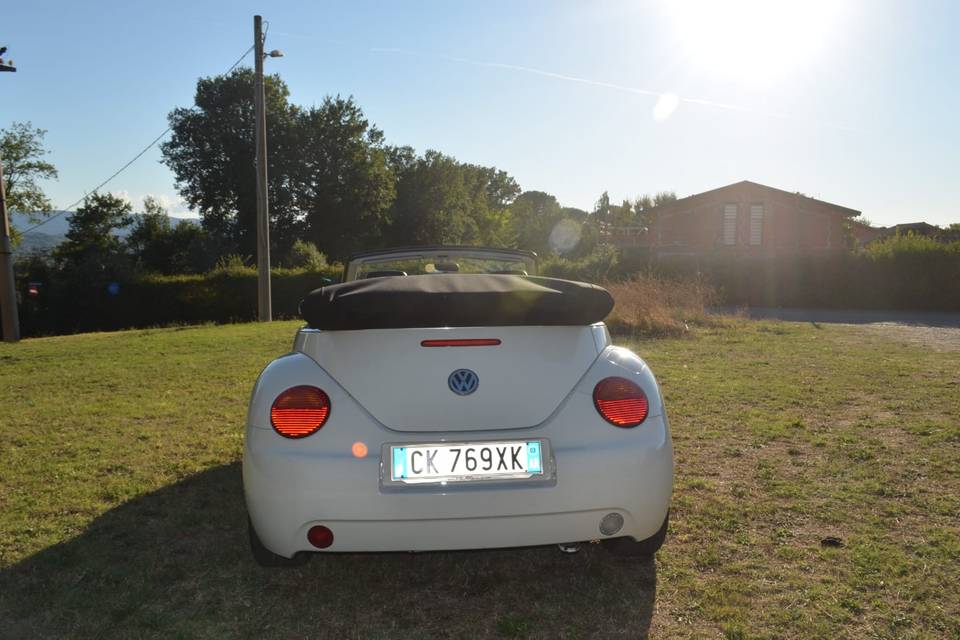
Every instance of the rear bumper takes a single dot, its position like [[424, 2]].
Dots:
[[459, 533], [289, 490]]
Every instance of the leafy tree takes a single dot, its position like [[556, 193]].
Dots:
[[212, 155], [92, 246], [305, 255], [534, 214], [400, 159], [601, 210], [441, 200], [588, 232], [329, 175], [159, 246], [606, 216], [575, 214], [644, 207], [150, 225], [622, 215], [342, 181], [492, 191], [432, 203], [22, 151]]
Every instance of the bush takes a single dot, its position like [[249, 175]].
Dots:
[[233, 264], [305, 255], [597, 266], [912, 246], [647, 305]]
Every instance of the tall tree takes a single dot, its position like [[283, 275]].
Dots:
[[212, 155], [159, 246], [441, 200], [533, 216], [329, 170], [645, 207], [601, 210], [342, 181], [92, 246], [400, 159], [22, 152], [492, 191], [432, 203]]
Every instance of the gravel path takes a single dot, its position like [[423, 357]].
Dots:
[[937, 330], [851, 316]]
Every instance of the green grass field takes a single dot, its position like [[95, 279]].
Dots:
[[121, 512]]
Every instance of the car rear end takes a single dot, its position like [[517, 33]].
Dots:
[[416, 439]]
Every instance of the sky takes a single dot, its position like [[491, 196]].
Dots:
[[851, 101]]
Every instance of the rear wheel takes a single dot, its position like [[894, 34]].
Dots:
[[643, 549], [267, 558]]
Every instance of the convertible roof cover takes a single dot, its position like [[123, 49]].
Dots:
[[454, 300]]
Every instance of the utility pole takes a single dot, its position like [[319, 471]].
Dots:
[[264, 306], [8, 287]]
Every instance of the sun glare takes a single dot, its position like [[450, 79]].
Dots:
[[754, 40]]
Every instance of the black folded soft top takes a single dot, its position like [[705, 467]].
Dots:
[[454, 300]]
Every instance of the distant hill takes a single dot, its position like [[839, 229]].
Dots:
[[35, 242], [56, 227], [45, 238]]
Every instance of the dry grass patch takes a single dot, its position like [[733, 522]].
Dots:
[[650, 306]]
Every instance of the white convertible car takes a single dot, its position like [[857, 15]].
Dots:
[[447, 398]]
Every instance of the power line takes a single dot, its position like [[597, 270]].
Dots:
[[123, 168], [239, 60]]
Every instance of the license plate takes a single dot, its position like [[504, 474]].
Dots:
[[466, 461]]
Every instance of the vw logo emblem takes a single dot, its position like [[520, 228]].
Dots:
[[463, 382]]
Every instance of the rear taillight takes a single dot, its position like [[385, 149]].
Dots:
[[621, 402], [299, 411]]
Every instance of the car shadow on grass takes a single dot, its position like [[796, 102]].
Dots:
[[175, 563]]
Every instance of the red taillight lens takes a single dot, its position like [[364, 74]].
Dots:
[[621, 402], [299, 411]]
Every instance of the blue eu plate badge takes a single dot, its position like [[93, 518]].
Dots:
[[533, 457]]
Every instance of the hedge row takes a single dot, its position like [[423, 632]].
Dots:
[[149, 301], [903, 280], [917, 282], [901, 273]]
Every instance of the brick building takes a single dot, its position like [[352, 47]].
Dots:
[[747, 218]]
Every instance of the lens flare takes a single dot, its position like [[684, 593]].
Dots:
[[665, 106], [565, 236]]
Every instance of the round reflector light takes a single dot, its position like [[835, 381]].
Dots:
[[611, 523], [620, 401], [299, 411], [320, 536]]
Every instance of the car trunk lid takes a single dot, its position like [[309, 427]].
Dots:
[[410, 386]]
